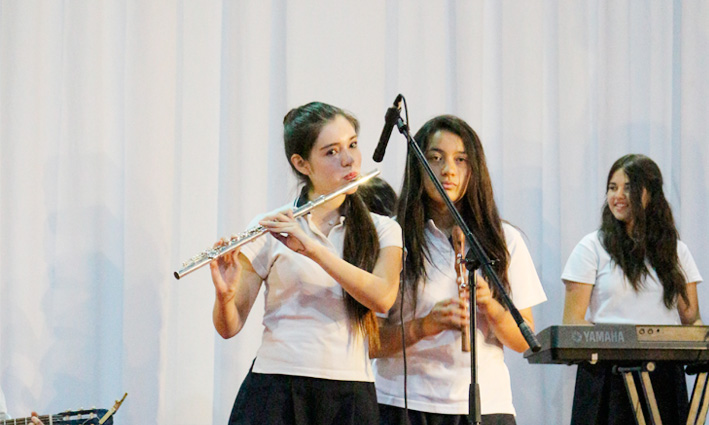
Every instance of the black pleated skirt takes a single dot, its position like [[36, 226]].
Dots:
[[267, 399], [391, 415]]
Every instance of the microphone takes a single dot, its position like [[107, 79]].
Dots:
[[392, 115]]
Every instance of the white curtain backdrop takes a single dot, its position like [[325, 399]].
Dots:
[[135, 133]]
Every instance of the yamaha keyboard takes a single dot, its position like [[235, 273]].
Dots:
[[626, 344], [568, 344]]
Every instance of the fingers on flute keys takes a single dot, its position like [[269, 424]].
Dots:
[[230, 257]]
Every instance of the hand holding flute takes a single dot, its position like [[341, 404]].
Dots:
[[462, 279], [226, 268], [283, 227], [225, 271]]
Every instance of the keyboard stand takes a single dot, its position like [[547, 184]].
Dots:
[[698, 404], [643, 373]]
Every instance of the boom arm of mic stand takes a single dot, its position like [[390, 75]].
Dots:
[[475, 247]]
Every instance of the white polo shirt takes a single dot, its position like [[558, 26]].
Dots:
[[307, 330], [613, 299], [438, 370]]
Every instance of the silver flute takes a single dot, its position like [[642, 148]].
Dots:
[[236, 241]]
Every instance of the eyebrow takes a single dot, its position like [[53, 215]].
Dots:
[[333, 144], [441, 151]]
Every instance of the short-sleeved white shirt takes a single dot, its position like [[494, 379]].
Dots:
[[307, 331], [613, 299], [438, 370]]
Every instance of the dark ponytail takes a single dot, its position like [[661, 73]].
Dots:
[[361, 249]]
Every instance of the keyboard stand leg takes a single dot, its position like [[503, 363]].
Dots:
[[705, 406], [699, 403], [633, 396], [650, 397]]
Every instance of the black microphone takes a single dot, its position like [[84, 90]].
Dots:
[[390, 120]]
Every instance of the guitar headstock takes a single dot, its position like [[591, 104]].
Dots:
[[106, 418], [80, 417]]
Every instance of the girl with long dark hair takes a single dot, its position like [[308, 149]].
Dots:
[[325, 273], [633, 270], [438, 371]]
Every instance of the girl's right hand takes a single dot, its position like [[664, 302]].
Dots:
[[446, 314], [225, 271], [284, 228]]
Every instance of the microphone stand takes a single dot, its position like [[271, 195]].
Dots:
[[475, 258]]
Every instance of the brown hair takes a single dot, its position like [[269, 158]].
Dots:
[[477, 206], [653, 236]]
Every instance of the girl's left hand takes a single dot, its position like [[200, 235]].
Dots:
[[483, 294], [486, 303], [283, 227]]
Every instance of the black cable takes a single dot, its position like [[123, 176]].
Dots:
[[401, 306], [403, 328]]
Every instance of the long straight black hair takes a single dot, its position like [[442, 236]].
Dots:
[[477, 206], [653, 236], [302, 127]]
